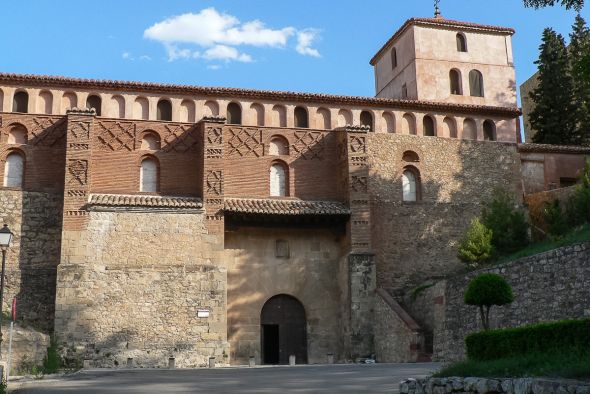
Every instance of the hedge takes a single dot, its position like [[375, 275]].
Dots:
[[566, 335]]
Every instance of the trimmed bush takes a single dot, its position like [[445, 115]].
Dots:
[[486, 290], [559, 337], [508, 224], [476, 245]]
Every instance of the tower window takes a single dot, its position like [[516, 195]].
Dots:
[[301, 118], [367, 119], [455, 78], [476, 83], [164, 110], [428, 126], [461, 42], [393, 58], [20, 102], [94, 101], [404, 91], [234, 113], [489, 130]]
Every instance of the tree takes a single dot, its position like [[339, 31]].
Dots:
[[578, 51], [568, 4], [554, 115], [580, 201], [485, 291], [476, 245], [508, 224]]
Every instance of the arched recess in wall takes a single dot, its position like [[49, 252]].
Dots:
[[20, 102], [211, 108], [257, 111], [164, 110], [449, 128], [393, 55], [428, 126], [279, 179], [411, 184], [45, 102], [344, 118], [476, 83], [469, 129], [461, 42], [1, 100], [278, 146], [187, 111], [455, 81], [389, 122], [367, 120], [17, 134], [409, 124], [149, 175], [301, 118], [279, 116], [489, 130], [150, 140], [234, 113], [323, 119], [14, 169], [69, 100], [118, 106], [141, 108], [94, 101]]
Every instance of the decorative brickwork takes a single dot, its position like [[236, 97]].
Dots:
[[115, 135], [245, 142], [309, 145]]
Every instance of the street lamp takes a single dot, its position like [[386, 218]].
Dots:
[[5, 238]]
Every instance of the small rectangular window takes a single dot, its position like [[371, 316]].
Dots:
[[282, 249]]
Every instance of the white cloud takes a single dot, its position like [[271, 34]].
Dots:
[[214, 67], [218, 34], [145, 57], [305, 39], [127, 56]]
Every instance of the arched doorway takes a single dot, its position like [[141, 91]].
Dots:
[[283, 330]]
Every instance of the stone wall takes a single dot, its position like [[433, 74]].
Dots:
[[550, 286], [131, 288], [31, 262], [29, 348], [417, 240]]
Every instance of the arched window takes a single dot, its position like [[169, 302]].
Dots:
[[258, 114], [469, 129], [17, 135], [45, 102], [279, 116], [455, 78], [389, 121], [234, 113], [278, 180], [450, 128], [301, 118], [404, 91], [489, 130], [95, 102], [408, 124], [118, 103], [278, 146], [148, 176], [211, 108], [141, 108], [150, 141], [393, 58], [68, 101], [476, 83], [323, 119], [20, 102], [367, 120], [461, 42], [344, 118], [410, 185], [14, 169], [164, 110], [187, 111], [410, 157], [428, 126]]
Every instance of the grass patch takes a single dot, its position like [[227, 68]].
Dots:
[[568, 365], [580, 235]]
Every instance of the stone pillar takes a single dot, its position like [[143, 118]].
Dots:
[[360, 262]]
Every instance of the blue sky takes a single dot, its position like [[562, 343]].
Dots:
[[298, 45]]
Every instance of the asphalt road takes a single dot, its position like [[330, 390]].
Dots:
[[355, 378]]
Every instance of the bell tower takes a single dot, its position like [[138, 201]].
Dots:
[[437, 59]]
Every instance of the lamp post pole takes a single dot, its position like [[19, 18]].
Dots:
[[5, 238]]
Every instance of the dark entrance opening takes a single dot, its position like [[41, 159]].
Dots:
[[283, 331]]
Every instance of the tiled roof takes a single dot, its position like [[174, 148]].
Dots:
[[284, 207], [122, 200], [160, 88], [546, 148], [440, 22]]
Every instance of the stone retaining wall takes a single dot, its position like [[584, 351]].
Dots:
[[495, 386]]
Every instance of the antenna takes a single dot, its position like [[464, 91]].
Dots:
[[437, 9]]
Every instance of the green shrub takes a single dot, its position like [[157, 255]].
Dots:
[[476, 245], [564, 336], [51, 362], [508, 224], [556, 219], [580, 201], [486, 290]]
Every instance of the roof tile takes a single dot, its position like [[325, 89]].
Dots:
[[122, 200], [284, 207]]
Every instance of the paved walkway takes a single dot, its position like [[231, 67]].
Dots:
[[372, 378]]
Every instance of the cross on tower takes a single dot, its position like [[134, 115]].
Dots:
[[437, 9]]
